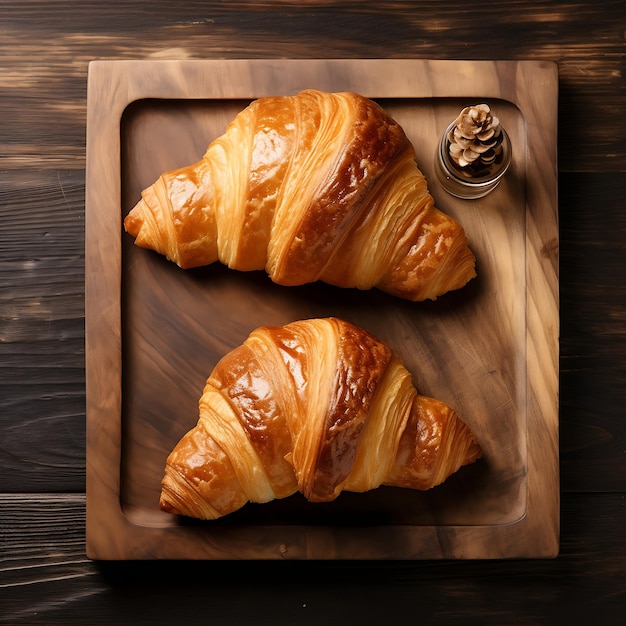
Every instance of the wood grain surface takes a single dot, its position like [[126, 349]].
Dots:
[[45, 48], [53, 582]]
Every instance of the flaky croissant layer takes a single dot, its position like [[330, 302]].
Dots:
[[317, 406], [317, 186]]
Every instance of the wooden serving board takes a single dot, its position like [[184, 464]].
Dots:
[[154, 332]]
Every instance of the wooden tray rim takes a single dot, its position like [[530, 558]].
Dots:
[[531, 86]]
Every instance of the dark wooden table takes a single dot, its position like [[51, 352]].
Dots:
[[45, 576]]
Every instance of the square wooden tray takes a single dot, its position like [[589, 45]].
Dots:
[[154, 332]]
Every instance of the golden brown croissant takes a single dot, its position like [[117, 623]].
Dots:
[[317, 406], [318, 186]]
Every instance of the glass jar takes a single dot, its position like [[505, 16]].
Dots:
[[462, 183]]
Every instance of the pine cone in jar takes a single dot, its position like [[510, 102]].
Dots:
[[475, 140]]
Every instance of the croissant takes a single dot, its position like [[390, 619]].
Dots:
[[313, 187], [317, 406]]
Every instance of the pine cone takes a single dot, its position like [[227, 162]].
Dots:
[[475, 138]]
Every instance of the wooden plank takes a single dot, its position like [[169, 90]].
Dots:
[[45, 578], [42, 353], [47, 56], [593, 342]]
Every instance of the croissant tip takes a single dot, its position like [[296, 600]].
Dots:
[[166, 507], [133, 221], [165, 502]]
